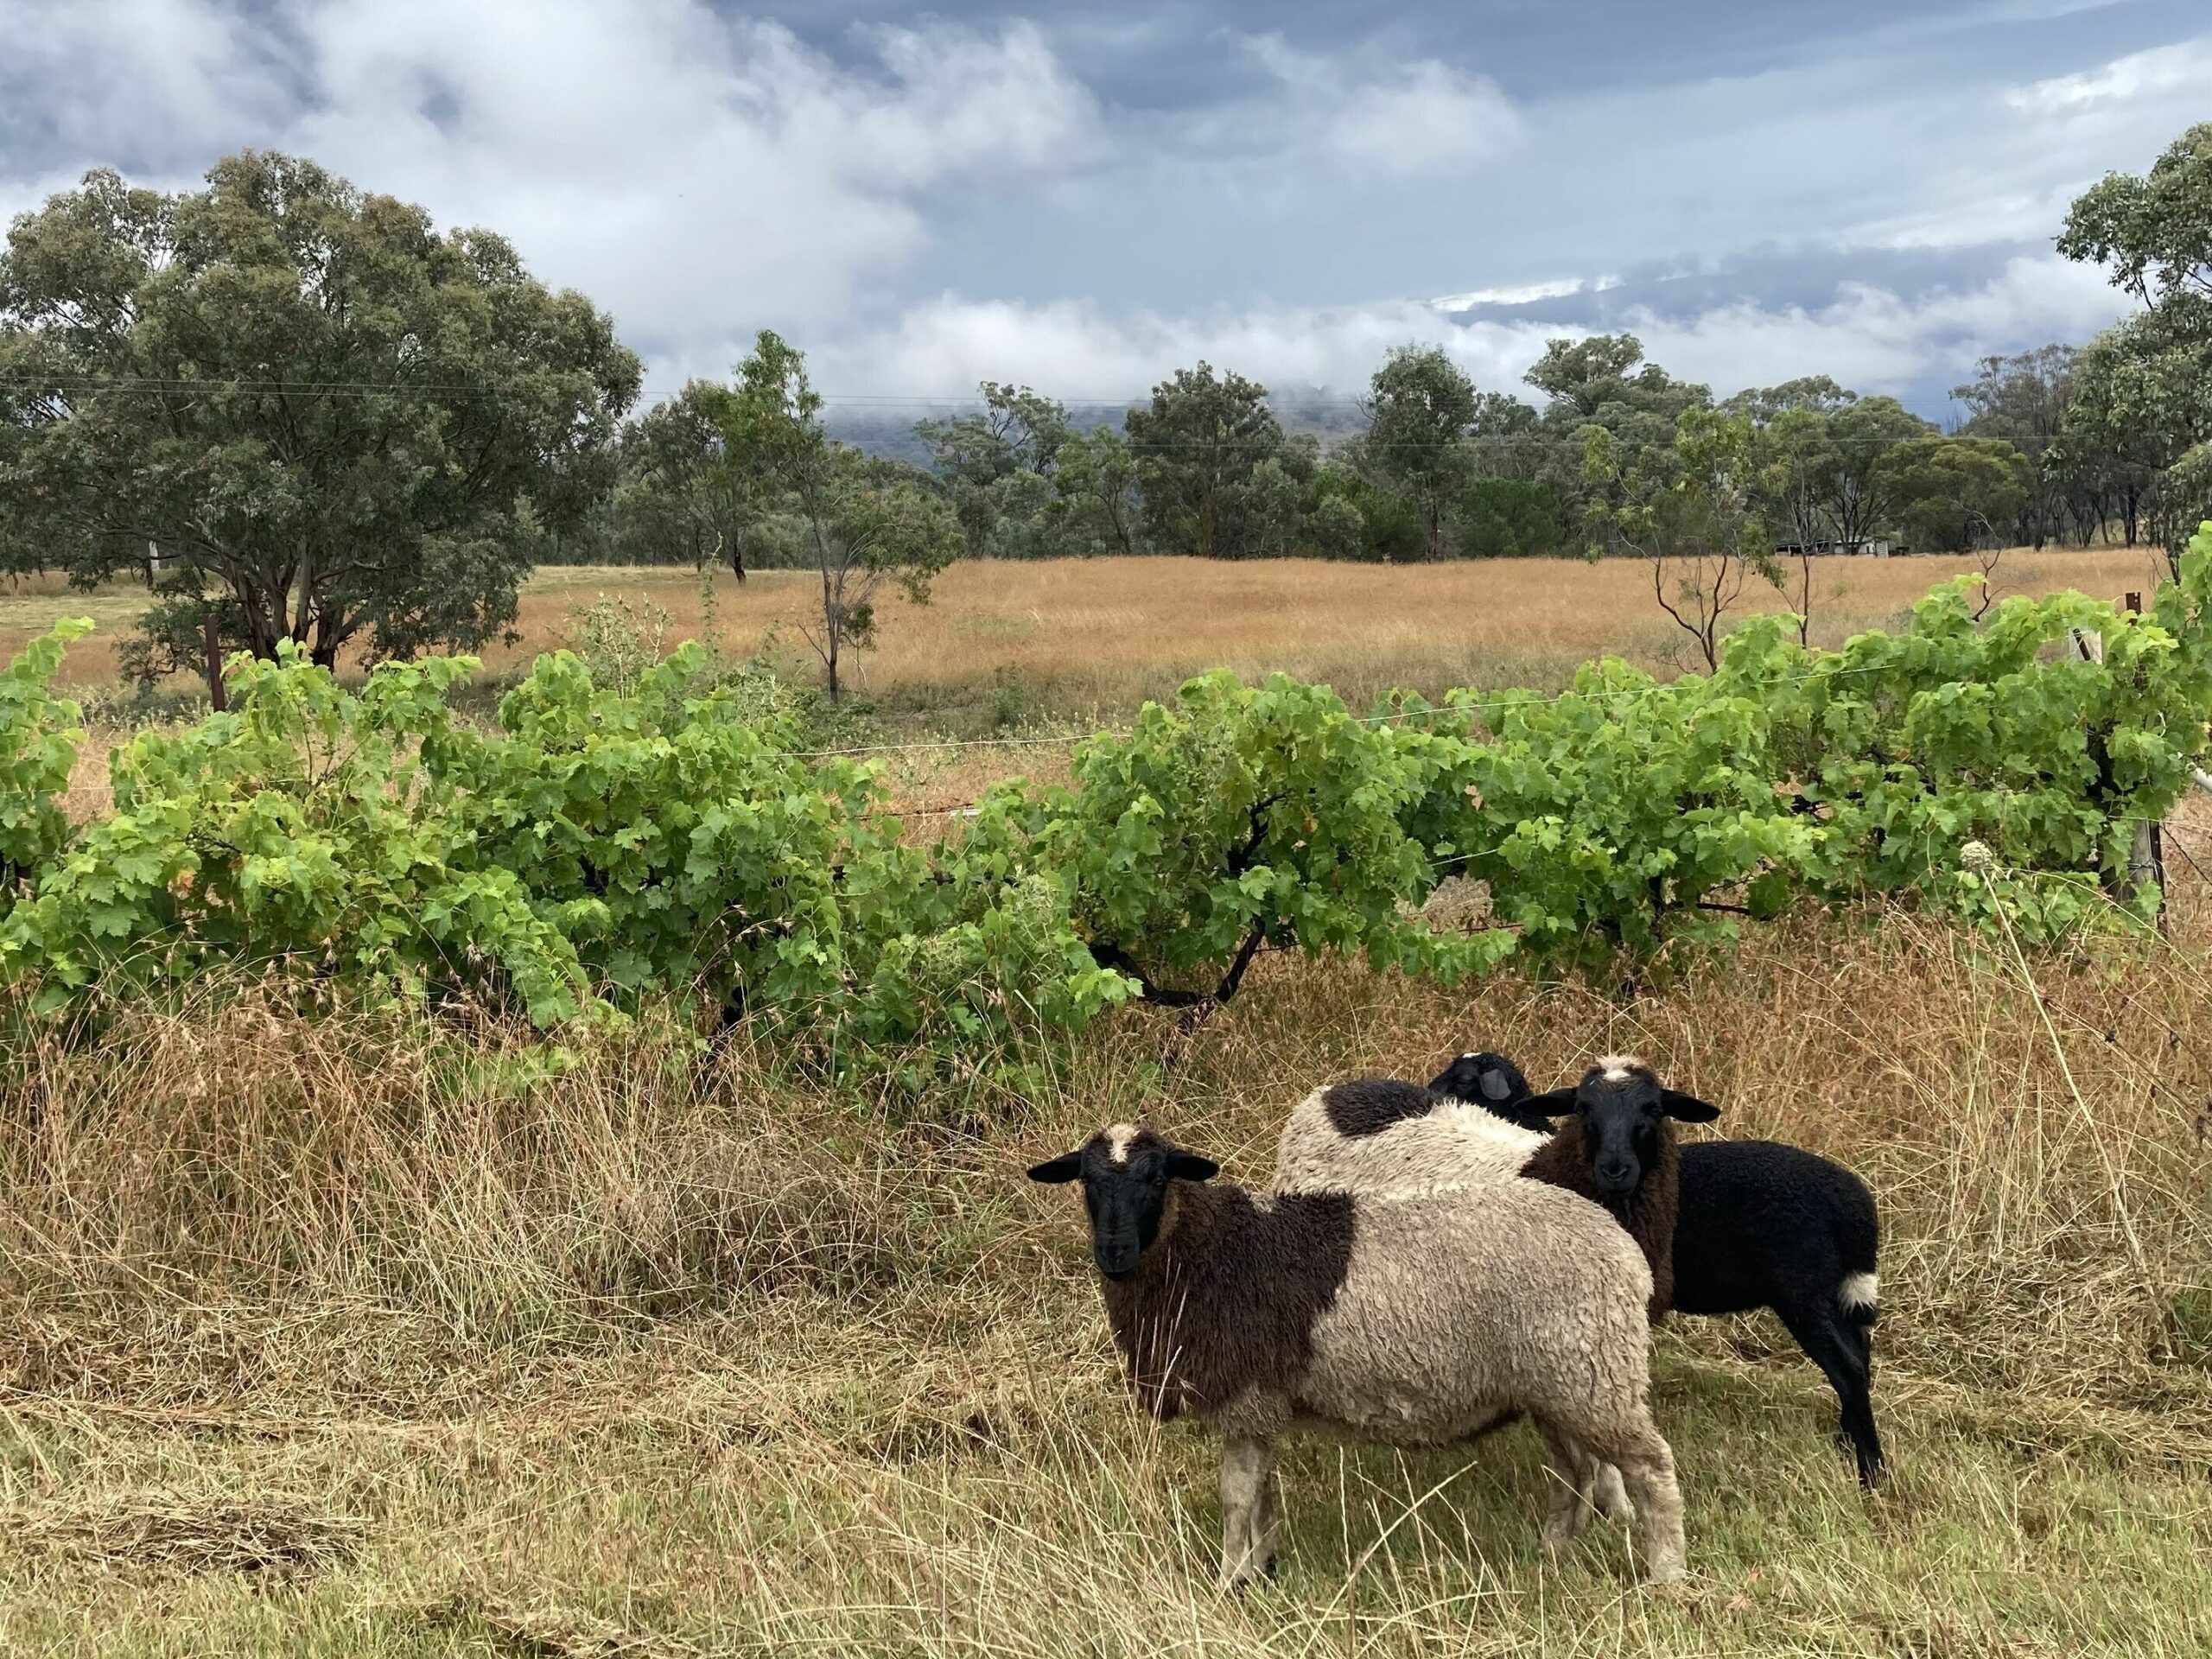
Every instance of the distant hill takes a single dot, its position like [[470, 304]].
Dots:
[[889, 431]]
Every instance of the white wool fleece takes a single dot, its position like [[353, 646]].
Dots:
[[1455, 1144]]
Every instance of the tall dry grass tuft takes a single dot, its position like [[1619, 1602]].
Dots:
[[2042, 1179], [233, 1170]]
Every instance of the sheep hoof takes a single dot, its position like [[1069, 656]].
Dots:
[[1232, 1583], [1562, 1530]]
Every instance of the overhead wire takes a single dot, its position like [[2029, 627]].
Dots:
[[157, 385]]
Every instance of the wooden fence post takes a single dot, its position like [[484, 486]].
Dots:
[[2148, 857], [214, 666]]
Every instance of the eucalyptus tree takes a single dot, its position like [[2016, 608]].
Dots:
[[1198, 445], [2144, 386], [1421, 406], [679, 499], [322, 419]]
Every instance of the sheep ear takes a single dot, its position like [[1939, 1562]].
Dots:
[[1053, 1171], [1189, 1167], [1495, 1086], [1688, 1109], [1554, 1104]]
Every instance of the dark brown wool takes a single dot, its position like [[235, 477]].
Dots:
[[1648, 1214], [1227, 1299]]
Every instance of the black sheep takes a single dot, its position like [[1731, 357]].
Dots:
[[1760, 1224]]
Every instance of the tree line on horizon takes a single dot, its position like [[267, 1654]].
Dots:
[[1432, 469], [304, 413]]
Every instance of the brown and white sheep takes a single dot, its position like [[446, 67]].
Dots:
[[1415, 1320]]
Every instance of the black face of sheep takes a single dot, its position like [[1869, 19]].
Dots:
[[1493, 1083], [1620, 1103], [1487, 1079], [1125, 1171]]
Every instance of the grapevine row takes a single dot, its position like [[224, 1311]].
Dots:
[[596, 848]]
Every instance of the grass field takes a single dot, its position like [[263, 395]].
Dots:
[[370, 1336], [1062, 646], [1093, 637], [355, 1338]]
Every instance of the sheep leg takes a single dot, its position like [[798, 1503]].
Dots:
[[1603, 1492], [1266, 1528], [1572, 1474], [1845, 1357], [1646, 1466], [1247, 1468], [1857, 1418], [1596, 1485]]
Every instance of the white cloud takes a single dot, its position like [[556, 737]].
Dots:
[[1525, 293], [2185, 67], [702, 174], [684, 170], [696, 175], [1081, 353], [2033, 148], [1873, 339], [972, 102], [159, 75], [1402, 120], [1869, 337], [1429, 118]]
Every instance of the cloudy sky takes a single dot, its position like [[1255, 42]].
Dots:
[[1085, 195]]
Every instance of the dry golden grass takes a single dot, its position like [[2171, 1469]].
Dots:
[[1082, 643], [661, 1355], [1098, 636]]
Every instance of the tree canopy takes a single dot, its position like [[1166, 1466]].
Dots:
[[1421, 405], [1198, 445], [679, 500], [2144, 396], [1693, 507], [862, 522], [1954, 493], [998, 462], [328, 421], [1853, 488]]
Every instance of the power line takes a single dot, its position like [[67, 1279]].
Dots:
[[1138, 448], [159, 385]]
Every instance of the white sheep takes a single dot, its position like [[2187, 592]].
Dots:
[[1419, 1321]]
